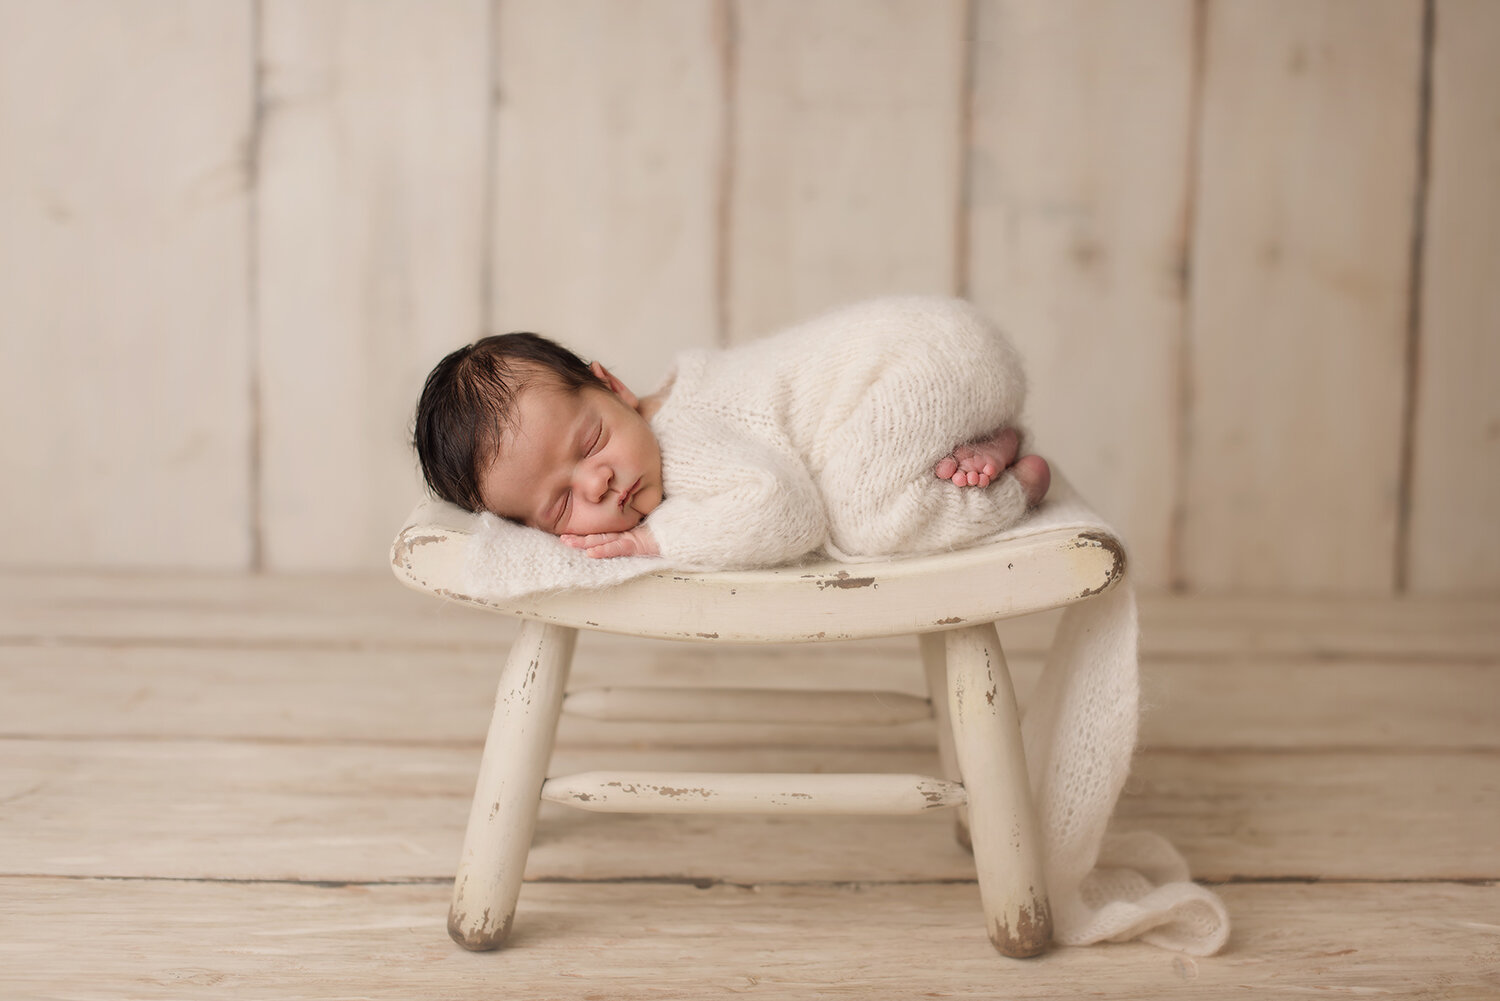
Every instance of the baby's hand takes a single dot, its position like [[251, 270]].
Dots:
[[636, 542]]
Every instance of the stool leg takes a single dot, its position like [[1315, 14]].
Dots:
[[1002, 819], [508, 793], [935, 666]]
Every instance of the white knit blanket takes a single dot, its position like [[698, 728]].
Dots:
[[1079, 728]]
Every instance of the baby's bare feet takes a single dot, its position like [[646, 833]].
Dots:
[[979, 463], [1034, 475]]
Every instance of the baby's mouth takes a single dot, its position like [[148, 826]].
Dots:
[[625, 497]]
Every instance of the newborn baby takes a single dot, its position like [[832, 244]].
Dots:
[[886, 428]]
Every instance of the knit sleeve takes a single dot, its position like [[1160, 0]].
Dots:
[[756, 507]]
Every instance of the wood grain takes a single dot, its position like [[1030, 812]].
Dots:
[[343, 695], [845, 155], [124, 190], [609, 132], [369, 210], [157, 939], [1079, 195], [1299, 299], [249, 810], [1455, 534]]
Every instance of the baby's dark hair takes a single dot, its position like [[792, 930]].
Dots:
[[469, 401]]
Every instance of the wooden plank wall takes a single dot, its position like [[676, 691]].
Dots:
[[1250, 249], [1298, 317], [372, 137], [125, 376]]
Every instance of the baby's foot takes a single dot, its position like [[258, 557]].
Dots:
[[978, 463], [1034, 475]]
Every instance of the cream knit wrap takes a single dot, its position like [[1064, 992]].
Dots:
[[824, 437]]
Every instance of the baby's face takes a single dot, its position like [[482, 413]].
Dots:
[[576, 463]]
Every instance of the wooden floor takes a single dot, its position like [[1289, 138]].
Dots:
[[230, 787]]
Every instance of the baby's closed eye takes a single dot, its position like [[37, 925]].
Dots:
[[557, 511]]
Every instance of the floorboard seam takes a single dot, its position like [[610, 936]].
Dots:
[[476, 746], [708, 882]]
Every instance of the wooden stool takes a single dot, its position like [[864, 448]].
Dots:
[[949, 601]]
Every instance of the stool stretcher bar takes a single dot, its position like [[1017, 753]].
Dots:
[[753, 792]]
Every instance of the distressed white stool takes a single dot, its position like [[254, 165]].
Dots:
[[950, 602]]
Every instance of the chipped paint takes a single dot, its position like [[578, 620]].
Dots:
[[444, 592], [1032, 933], [941, 795], [1100, 540], [674, 792], [482, 938], [708, 636], [631, 789], [843, 580], [402, 548], [952, 620]]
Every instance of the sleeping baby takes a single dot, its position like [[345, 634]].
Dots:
[[886, 428]]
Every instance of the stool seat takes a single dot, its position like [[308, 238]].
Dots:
[[950, 601], [810, 602]]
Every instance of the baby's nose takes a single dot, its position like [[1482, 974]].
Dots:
[[595, 482]]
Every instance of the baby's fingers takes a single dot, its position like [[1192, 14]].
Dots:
[[603, 545], [620, 545], [589, 541]]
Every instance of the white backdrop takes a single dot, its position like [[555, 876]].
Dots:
[[1250, 249]]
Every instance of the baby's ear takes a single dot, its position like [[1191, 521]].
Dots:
[[615, 385]]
